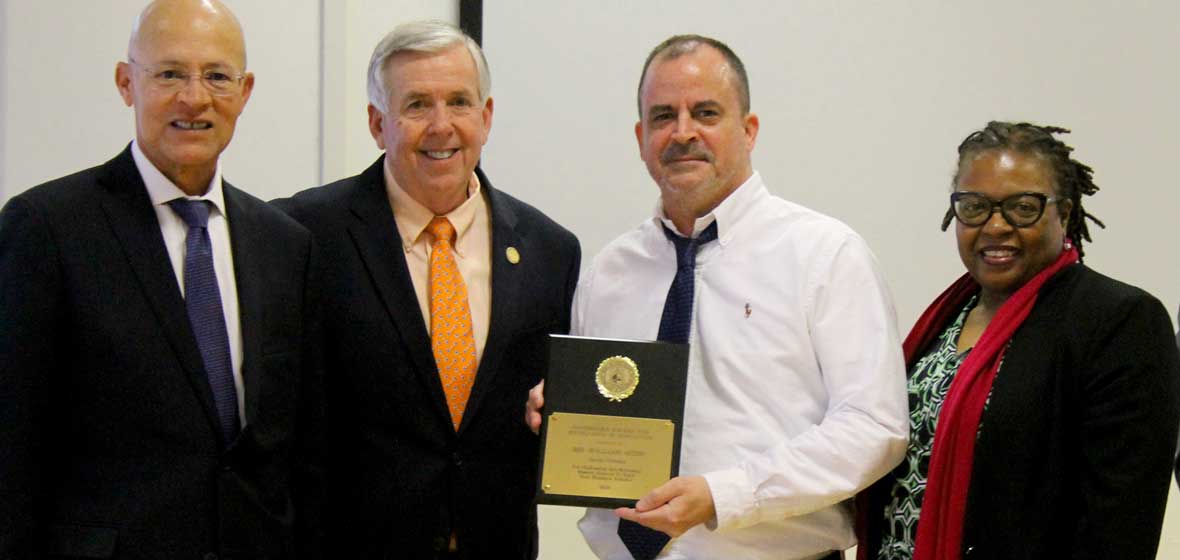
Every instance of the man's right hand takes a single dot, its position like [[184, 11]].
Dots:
[[532, 409]]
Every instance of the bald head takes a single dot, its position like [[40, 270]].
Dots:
[[165, 19]]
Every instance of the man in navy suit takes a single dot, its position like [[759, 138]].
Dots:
[[428, 457], [158, 375]]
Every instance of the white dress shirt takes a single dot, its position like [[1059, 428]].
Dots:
[[796, 392], [161, 190]]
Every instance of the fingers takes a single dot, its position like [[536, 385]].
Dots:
[[659, 496], [653, 511], [537, 396], [532, 412], [674, 507]]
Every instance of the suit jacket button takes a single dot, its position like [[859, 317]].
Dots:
[[457, 459]]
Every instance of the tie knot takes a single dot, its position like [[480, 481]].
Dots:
[[442, 230], [709, 234], [195, 213], [686, 247]]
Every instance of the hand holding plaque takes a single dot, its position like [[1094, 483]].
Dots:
[[612, 421]]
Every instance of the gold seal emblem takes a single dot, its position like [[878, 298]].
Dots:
[[617, 377]]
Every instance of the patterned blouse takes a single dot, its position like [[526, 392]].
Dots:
[[928, 383]]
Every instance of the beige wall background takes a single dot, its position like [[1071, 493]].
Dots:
[[862, 105]]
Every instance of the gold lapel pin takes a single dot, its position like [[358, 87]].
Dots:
[[512, 254]]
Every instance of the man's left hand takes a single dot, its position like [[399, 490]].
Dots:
[[674, 507]]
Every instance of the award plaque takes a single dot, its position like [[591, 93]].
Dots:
[[614, 411]]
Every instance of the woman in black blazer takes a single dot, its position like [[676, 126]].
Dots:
[[1044, 396]]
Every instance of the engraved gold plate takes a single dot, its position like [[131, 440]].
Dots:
[[606, 456], [617, 377]]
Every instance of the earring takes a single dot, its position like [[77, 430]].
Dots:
[[1068, 244]]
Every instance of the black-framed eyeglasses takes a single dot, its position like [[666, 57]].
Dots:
[[219, 82], [1020, 210]]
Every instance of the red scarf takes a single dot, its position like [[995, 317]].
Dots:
[[940, 525]]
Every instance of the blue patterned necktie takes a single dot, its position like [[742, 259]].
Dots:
[[202, 300], [675, 325]]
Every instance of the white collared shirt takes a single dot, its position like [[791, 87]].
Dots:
[[796, 394], [161, 190]]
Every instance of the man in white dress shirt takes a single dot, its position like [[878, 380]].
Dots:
[[796, 386]]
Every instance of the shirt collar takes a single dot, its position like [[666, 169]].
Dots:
[[412, 217], [161, 190], [725, 214]]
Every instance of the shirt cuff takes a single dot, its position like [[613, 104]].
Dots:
[[733, 499], [600, 528]]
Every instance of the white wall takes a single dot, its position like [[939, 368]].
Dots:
[[305, 123], [862, 105], [61, 111], [352, 29]]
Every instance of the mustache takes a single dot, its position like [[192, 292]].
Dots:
[[691, 150]]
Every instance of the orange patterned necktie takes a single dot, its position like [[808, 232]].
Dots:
[[451, 335]]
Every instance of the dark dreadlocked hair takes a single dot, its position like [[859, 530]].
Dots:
[[1073, 177]]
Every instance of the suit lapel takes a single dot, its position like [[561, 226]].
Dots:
[[380, 247], [246, 242], [506, 282], [134, 222]]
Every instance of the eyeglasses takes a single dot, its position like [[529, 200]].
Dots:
[[218, 82], [1019, 210]]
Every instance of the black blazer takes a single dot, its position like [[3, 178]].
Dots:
[[1178, 443], [109, 441], [401, 479], [1077, 443]]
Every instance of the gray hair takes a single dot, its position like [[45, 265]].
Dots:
[[422, 37], [680, 45]]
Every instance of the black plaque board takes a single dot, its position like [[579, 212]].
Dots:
[[572, 387]]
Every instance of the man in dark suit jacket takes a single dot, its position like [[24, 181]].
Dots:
[[135, 422], [418, 467]]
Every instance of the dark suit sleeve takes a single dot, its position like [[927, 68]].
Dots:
[[30, 307], [309, 490], [571, 283], [1177, 467], [1129, 411], [562, 325]]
